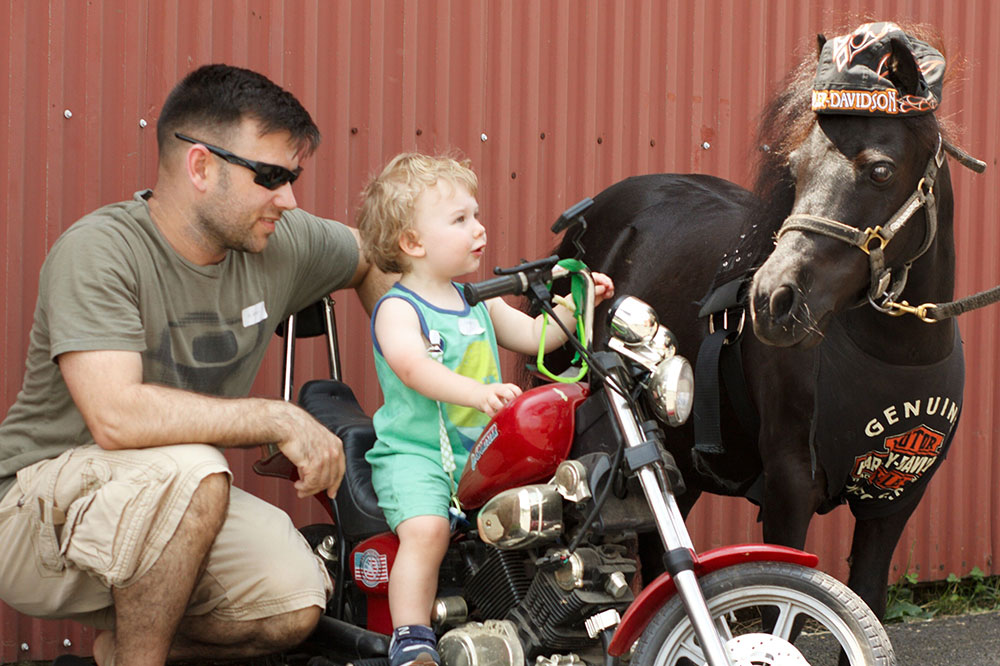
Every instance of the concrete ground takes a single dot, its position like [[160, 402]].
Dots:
[[958, 640]]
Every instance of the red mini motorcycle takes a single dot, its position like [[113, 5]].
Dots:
[[558, 491]]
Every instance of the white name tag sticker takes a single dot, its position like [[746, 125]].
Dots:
[[254, 314], [470, 326]]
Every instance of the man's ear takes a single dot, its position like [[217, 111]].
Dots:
[[410, 244], [196, 166]]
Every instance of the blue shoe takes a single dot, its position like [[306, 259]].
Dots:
[[413, 645]]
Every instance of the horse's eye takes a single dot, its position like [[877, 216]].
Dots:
[[881, 173]]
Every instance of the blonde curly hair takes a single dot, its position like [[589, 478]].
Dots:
[[388, 201]]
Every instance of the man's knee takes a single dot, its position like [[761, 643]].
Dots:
[[301, 623], [288, 630], [214, 488], [210, 501], [260, 566]]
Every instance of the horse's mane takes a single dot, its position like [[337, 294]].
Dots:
[[784, 124]]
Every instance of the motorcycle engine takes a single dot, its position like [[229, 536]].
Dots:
[[549, 617]]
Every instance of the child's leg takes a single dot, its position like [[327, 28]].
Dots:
[[423, 541], [413, 580]]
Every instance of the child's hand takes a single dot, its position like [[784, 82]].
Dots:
[[491, 397], [604, 288]]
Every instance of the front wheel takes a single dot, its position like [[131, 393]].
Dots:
[[790, 610]]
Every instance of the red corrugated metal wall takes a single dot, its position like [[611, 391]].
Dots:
[[552, 101]]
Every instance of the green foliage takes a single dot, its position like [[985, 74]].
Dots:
[[975, 592]]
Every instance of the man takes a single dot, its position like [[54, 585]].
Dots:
[[152, 320]]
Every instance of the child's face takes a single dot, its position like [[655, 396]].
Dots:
[[446, 221]]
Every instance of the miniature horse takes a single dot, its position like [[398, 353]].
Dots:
[[840, 414]]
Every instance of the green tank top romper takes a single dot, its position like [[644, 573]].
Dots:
[[407, 473]]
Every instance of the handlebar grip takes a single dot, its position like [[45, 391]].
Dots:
[[570, 214], [516, 283]]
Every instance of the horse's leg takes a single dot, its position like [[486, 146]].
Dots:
[[792, 490], [871, 554], [782, 387], [791, 497]]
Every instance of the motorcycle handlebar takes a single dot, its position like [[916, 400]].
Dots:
[[513, 284], [475, 292]]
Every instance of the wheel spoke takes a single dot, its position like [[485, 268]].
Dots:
[[725, 630], [783, 625], [689, 650]]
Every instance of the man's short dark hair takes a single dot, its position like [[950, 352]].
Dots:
[[216, 98]]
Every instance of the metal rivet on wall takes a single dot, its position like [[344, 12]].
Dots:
[[600, 140], [67, 114], [419, 131], [142, 122], [706, 145], [652, 142], [483, 137], [67, 642], [24, 647]]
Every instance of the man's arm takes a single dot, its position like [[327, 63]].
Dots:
[[369, 281], [122, 412]]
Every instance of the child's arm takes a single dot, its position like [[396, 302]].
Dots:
[[520, 333], [397, 329]]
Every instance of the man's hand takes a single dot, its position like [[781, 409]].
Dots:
[[316, 452]]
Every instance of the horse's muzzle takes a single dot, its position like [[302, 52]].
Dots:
[[782, 317]]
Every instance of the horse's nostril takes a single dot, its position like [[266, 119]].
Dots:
[[782, 302]]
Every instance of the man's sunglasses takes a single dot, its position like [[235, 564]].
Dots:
[[271, 176]]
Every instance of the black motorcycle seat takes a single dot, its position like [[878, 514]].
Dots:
[[333, 404]]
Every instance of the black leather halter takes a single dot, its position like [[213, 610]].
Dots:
[[886, 283]]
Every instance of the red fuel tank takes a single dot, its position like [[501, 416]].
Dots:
[[523, 443]]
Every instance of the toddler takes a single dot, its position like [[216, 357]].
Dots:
[[438, 367]]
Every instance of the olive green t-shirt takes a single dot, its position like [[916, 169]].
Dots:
[[113, 282]]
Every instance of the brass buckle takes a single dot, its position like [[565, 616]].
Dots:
[[870, 235], [929, 187]]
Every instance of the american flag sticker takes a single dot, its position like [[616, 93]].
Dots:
[[371, 568]]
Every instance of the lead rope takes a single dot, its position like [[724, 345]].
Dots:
[[436, 352], [934, 312]]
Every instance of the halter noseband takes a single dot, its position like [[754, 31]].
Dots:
[[884, 288]]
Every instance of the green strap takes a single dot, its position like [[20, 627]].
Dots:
[[578, 290]]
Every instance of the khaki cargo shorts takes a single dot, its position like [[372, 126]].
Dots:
[[74, 526]]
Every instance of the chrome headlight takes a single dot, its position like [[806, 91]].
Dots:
[[632, 321], [671, 390]]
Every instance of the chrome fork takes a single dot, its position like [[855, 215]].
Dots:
[[673, 532]]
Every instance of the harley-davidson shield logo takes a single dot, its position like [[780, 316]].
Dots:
[[903, 460]]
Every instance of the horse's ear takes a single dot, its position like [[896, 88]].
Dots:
[[820, 41], [902, 68]]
